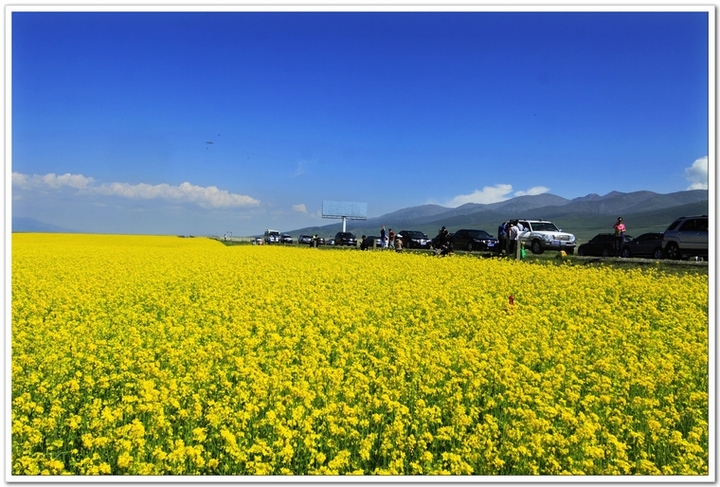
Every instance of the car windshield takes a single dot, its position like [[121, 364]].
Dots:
[[416, 234], [479, 234], [544, 227]]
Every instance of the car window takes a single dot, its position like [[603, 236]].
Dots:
[[673, 226], [689, 225]]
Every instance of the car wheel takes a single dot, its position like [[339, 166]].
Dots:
[[470, 247], [581, 252], [657, 253], [672, 251], [626, 252], [536, 247], [605, 253]]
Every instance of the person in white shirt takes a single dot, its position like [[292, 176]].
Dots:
[[513, 234]]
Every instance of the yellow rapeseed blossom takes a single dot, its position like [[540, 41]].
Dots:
[[140, 355]]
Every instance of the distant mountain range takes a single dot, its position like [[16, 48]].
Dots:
[[643, 211], [20, 224]]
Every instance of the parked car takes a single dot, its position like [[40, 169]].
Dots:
[[272, 236], [330, 241], [413, 239], [646, 245], [285, 238], [470, 240], [345, 238], [686, 236], [542, 235], [603, 245], [308, 239]]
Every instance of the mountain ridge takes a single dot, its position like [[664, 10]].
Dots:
[[591, 212], [23, 224]]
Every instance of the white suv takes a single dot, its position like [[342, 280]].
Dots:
[[541, 235], [688, 235]]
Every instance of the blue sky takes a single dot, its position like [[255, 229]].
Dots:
[[201, 123]]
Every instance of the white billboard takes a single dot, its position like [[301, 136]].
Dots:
[[344, 209]]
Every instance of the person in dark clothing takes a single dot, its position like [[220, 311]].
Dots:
[[502, 238], [619, 228], [444, 242], [363, 243]]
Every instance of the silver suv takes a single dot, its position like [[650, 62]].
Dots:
[[542, 235], [686, 236]]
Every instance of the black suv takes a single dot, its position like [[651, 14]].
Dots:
[[345, 238], [604, 245], [473, 240], [686, 236]]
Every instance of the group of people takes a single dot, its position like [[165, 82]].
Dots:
[[388, 240], [509, 236]]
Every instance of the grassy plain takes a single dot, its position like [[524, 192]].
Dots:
[[182, 356]]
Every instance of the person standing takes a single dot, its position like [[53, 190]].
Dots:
[[619, 235], [391, 238], [513, 233], [383, 237], [502, 238]]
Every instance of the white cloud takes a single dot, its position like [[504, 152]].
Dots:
[[51, 180], [206, 197], [493, 194], [489, 194], [300, 208], [533, 191], [697, 174]]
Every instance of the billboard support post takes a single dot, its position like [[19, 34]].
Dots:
[[345, 211]]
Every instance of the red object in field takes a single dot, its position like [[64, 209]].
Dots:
[[512, 299]]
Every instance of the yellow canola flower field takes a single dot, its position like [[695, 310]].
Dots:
[[140, 355]]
